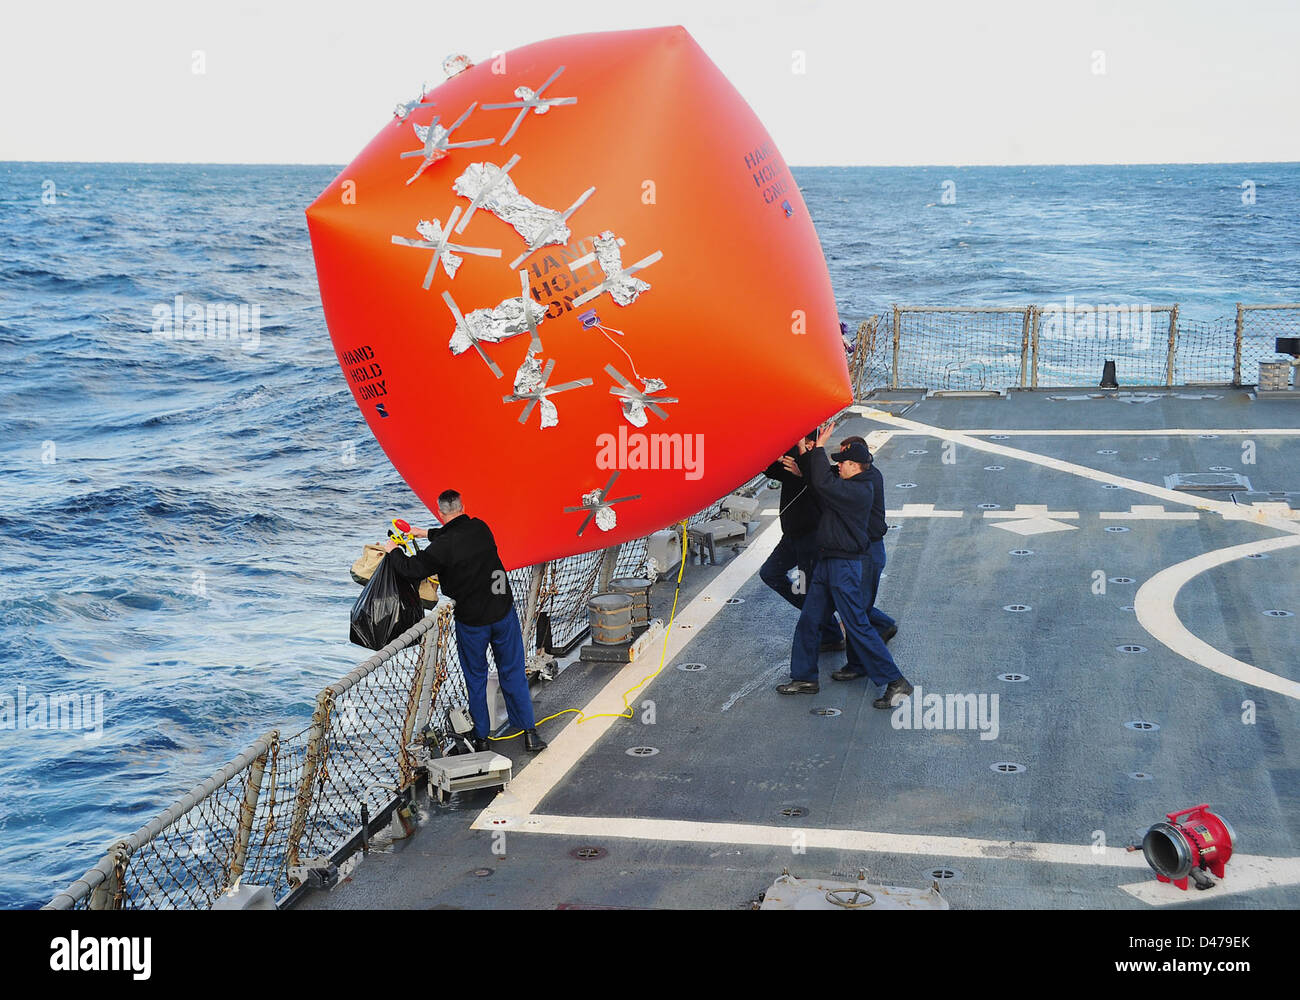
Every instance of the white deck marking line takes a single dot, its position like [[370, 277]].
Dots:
[[1149, 512], [1154, 604], [572, 743], [694, 832], [903, 425], [922, 510], [1242, 874], [1130, 432], [1031, 510]]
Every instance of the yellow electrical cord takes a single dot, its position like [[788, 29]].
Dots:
[[663, 656]]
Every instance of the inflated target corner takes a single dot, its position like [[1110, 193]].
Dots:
[[680, 328]]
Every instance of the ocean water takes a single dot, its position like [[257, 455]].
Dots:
[[177, 517]]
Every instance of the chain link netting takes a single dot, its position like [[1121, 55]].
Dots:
[[910, 347]]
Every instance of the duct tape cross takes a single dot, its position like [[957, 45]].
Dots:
[[531, 99], [629, 391], [592, 507], [465, 329], [442, 245], [486, 190], [543, 237], [536, 346], [542, 391], [403, 110], [436, 142], [611, 280]]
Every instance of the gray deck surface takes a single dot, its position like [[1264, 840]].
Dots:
[[732, 757]]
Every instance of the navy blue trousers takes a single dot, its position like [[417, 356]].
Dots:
[[789, 553], [508, 648], [837, 585], [872, 567]]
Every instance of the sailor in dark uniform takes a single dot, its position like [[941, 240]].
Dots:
[[463, 555]]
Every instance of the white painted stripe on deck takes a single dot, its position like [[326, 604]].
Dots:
[[1032, 510], [1154, 605], [903, 425], [546, 770], [692, 832], [1243, 873], [1149, 512], [922, 510]]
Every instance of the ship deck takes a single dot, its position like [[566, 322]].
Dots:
[[744, 783]]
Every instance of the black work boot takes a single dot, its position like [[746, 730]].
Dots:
[[893, 692], [532, 742]]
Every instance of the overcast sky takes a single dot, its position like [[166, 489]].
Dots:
[[903, 82]]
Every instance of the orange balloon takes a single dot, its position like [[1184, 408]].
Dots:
[[696, 370]]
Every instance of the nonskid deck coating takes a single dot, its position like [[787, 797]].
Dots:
[[732, 772]]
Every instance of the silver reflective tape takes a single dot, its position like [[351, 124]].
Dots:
[[495, 325], [531, 221]]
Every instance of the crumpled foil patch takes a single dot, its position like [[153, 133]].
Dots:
[[550, 415], [624, 290], [454, 65], [431, 230], [529, 375], [495, 325], [528, 94], [531, 221], [605, 517], [634, 409]]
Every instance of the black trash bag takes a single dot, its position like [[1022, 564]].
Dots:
[[389, 604]]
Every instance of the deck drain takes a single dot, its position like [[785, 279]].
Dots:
[[691, 667], [481, 872], [999, 437], [1116, 528], [1258, 555], [1109, 486], [1142, 727], [1130, 648], [588, 853], [826, 712], [989, 506], [893, 527], [1121, 579], [995, 468], [1276, 613], [1107, 451], [1220, 468], [734, 600], [1013, 678], [500, 820], [688, 624], [918, 451], [942, 874], [1022, 552], [1007, 767], [1208, 437], [1139, 775], [1016, 607], [641, 751], [793, 812], [905, 486], [1127, 607], [1150, 458]]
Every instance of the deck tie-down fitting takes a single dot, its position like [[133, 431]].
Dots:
[[438, 240], [596, 501], [436, 142], [540, 391], [531, 99]]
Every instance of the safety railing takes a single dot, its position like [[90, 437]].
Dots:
[[287, 800], [1001, 347]]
